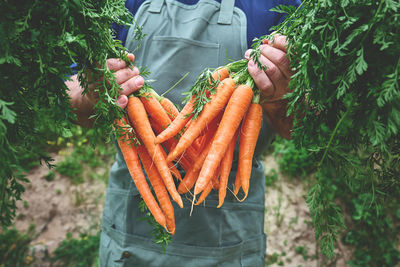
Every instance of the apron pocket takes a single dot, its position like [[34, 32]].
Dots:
[[122, 206], [133, 250], [166, 72]]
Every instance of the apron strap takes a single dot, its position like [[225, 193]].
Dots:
[[226, 12], [155, 6]]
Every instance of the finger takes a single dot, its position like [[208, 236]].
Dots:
[[247, 54], [278, 57], [279, 41], [261, 80], [132, 85], [122, 101], [276, 76], [125, 74], [115, 64], [131, 57]]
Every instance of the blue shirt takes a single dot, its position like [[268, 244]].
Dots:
[[259, 17]]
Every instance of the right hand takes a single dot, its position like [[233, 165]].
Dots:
[[127, 78]]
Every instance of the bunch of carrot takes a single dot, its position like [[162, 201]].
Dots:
[[222, 109]]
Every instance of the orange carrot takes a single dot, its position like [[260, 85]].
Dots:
[[138, 117], [248, 138], [171, 143], [158, 187], [200, 141], [220, 74], [186, 113], [157, 128], [238, 182], [175, 172], [198, 144], [209, 112], [192, 174], [209, 187], [129, 151], [216, 184], [178, 123], [155, 110], [188, 181], [226, 165], [169, 107], [234, 113]]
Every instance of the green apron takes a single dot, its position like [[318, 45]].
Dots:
[[179, 39]]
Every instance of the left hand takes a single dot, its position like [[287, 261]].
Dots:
[[273, 83]]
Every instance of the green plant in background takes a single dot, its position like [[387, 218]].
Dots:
[[293, 161], [374, 231], [346, 97], [372, 227], [77, 252], [271, 177], [81, 163], [303, 252], [71, 166], [14, 247], [50, 176]]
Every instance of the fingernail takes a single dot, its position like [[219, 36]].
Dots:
[[131, 57], [251, 63], [122, 100], [135, 71], [247, 54], [139, 81]]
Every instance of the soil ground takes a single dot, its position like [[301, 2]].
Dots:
[[57, 207]]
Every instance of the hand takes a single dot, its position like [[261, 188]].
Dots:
[[127, 78], [273, 83]]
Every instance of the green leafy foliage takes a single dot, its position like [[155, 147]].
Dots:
[[85, 158], [14, 246], [160, 235], [79, 252], [346, 58], [41, 39], [371, 224], [271, 177], [291, 160]]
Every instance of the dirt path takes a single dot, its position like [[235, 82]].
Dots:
[[57, 207], [288, 224]]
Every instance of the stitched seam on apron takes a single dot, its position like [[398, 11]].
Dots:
[[185, 40], [189, 7]]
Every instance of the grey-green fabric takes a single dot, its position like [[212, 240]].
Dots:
[[179, 39]]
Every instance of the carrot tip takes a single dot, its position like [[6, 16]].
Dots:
[[170, 158], [197, 190], [236, 191], [172, 232], [179, 202], [241, 200]]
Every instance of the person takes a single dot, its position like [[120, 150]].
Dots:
[[186, 36]]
